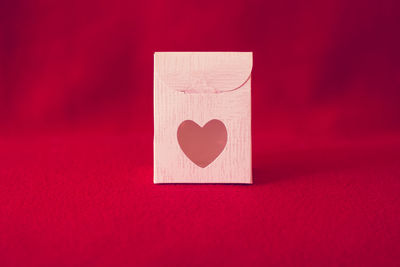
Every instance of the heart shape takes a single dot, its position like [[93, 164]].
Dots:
[[202, 145]]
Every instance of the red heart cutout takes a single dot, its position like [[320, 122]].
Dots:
[[202, 145]]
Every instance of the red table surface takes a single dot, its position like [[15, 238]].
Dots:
[[76, 135]]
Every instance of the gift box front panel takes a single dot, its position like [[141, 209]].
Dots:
[[172, 107]]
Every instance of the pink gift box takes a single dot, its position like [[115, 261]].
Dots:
[[202, 117]]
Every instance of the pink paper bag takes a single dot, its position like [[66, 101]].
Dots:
[[202, 117]]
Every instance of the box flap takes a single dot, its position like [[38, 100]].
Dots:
[[203, 72]]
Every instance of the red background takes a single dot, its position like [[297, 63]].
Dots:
[[76, 135]]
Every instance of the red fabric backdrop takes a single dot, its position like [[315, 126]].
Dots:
[[76, 135]]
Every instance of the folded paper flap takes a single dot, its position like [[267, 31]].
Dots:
[[203, 72]]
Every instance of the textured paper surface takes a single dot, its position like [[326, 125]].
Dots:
[[202, 86]]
